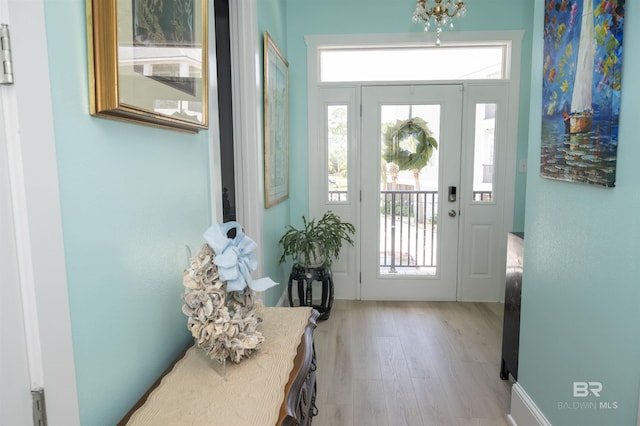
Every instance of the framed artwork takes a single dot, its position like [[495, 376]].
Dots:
[[581, 90], [276, 124], [148, 61]]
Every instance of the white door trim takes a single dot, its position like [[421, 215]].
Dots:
[[247, 119], [16, 382], [215, 181], [515, 58], [18, 206], [455, 38], [37, 216]]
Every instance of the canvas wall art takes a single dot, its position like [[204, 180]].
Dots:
[[581, 90]]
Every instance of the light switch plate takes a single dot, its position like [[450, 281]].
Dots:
[[522, 166]]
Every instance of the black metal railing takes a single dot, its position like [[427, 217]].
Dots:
[[408, 226], [477, 195], [409, 229]]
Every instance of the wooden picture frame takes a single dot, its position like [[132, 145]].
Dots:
[[147, 63], [276, 124]]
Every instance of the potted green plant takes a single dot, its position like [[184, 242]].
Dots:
[[317, 242]]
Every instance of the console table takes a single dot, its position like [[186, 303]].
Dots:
[[512, 299], [275, 386]]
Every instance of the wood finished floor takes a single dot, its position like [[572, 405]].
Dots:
[[411, 363]]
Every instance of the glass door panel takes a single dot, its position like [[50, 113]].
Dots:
[[483, 152], [409, 189], [411, 137], [338, 152]]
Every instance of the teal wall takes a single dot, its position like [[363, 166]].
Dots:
[[132, 197], [272, 17], [311, 17], [581, 293], [288, 21]]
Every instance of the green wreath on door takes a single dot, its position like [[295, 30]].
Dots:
[[405, 159]]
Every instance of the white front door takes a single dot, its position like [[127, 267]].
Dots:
[[410, 216], [446, 246], [438, 234]]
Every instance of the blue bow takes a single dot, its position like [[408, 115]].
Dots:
[[235, 258]]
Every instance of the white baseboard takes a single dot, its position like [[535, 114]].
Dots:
[[525, 412], [638, 417]]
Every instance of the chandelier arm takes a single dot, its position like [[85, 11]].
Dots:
[[455, 13]]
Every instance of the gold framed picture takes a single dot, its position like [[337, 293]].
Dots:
[[148, 61], [276, 124]]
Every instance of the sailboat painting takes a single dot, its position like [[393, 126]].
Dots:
[[582, 76]]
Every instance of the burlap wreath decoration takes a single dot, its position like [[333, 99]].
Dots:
[[222, 324]]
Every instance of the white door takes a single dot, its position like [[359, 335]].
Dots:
[[410, 220], [15, 386], [36, 347], [439, 234]]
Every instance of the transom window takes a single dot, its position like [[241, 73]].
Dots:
[[412, 63]]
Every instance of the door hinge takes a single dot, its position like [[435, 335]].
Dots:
[[39, 407], [360, 110], [361, 195], [360, 277], [6, 73]]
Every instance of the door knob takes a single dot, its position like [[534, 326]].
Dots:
[[452, 213]]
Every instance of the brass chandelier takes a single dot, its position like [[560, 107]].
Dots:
[[440, 13]]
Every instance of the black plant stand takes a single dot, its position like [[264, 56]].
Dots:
[[305, 278]]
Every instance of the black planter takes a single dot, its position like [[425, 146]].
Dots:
[[305, 278]]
